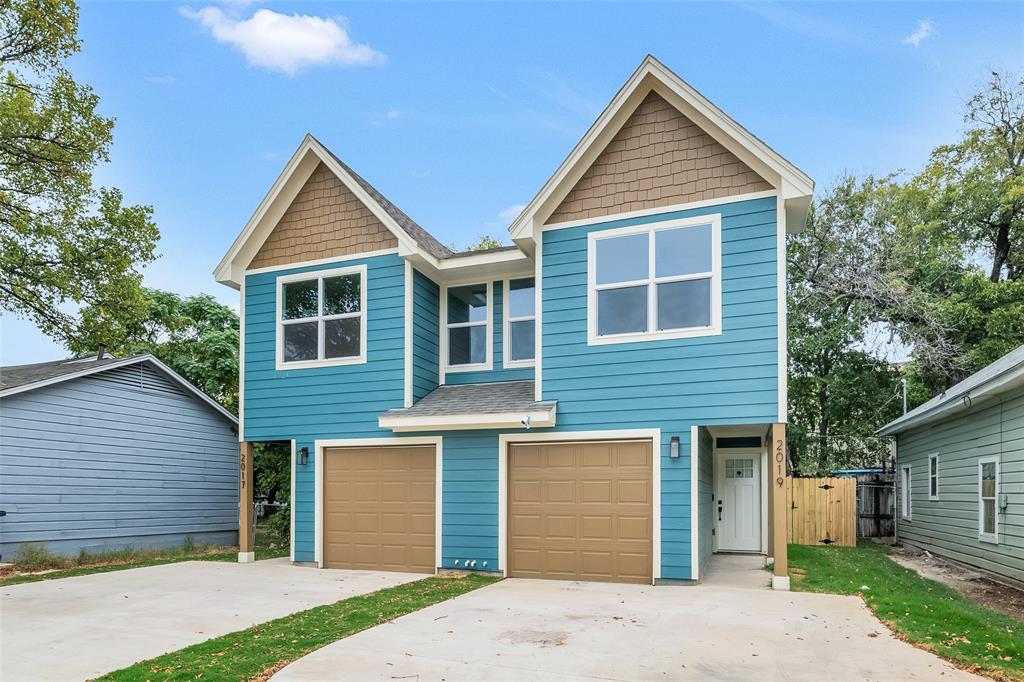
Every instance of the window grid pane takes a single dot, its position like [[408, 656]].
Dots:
[[332, 314], [522, 340]]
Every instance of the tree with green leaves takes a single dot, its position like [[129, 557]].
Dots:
[[195, 336], [63, 243]]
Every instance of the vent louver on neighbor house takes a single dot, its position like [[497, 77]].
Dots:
[[141, 377]]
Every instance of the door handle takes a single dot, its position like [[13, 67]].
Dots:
[[719, 510]]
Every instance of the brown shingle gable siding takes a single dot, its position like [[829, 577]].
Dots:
[[325, 220], [658, 158]]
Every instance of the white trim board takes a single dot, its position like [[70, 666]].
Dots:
[[481, 420], [318, 489], [408, 335], [694, 502], [322, 261], [505, 439], [291, 507]]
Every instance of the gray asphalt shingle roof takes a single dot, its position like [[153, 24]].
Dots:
[[20, 375], [490, 398]]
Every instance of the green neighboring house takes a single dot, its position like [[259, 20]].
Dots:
[[960, 470]]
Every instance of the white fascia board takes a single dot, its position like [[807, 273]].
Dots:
[[502, 420], [653, 75]]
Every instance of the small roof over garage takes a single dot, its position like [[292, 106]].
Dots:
[[1004, 374], [503, 404]]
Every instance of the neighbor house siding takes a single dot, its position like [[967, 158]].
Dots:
[[949, 525], [323, 402], [497, 373], [706, 495], [426, 341], [124, 457], [730, 378]]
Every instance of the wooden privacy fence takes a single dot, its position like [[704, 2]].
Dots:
[[822, 511]]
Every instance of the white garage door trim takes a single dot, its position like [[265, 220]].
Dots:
[[318, 487], [654, 435]]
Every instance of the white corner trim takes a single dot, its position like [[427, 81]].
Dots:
[[241, 361], [781, 309], [694, 502], [318, 489], [407, 399], [505, 439], [443, 318], [672, 208], [438, 503], [291, 508], [715, 329], [322, 261], [320, 276], [483, 420], [506, 325], [538, 345]]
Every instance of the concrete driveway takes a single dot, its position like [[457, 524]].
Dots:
[[79, 628], [547, 630]]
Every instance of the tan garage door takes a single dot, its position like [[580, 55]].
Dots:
[[379, 508], [580, 511]]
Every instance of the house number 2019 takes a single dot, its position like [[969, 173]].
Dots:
[[780, 462]]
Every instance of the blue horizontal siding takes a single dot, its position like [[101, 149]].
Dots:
[[426, 344], [670, 384]]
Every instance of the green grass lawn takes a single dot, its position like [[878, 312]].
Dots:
[[921, 611], [263, 649], [122, 560]]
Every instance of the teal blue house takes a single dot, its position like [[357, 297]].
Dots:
[[604, 399]]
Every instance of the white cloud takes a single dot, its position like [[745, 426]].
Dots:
[[511, 213], [393, 114], [420, 173], [285, 43], [161, 80], [925, 28]]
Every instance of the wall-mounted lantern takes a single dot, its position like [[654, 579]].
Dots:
[[303, 457], [673, 447]]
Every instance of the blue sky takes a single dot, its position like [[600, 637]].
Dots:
[[460, 112]]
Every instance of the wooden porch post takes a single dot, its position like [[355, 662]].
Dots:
[[245, 529], [777, 497]]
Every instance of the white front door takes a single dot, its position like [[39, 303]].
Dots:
[[738, 500]]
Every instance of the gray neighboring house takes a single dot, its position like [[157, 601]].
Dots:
[[107, 453], [960, 470]]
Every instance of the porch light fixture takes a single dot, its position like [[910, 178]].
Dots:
[[303, 457], [673, 447]]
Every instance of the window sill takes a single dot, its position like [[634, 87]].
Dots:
[[310, 364], [933, 499], [988, 539], [594, 340], [519, 364], [479, 367]]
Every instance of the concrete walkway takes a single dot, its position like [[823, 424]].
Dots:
[[79, 628], [548, 630]]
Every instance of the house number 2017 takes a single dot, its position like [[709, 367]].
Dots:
[[780, 462]]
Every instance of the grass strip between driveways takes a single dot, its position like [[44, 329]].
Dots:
[[171, 558], [258, 652], [923, 612]]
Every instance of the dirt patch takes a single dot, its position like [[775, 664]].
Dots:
[[969, 582], [543, 639]]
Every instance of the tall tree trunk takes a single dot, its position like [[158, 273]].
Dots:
[[1002, 252]]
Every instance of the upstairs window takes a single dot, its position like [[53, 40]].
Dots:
[[468, 326], [658, 281], [321, 318], [520, 323]]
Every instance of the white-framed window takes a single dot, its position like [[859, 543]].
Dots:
[[933, 476], [988, 499], [656, 281], [905, 507], [520, 320], [321, 318], [466, 317]]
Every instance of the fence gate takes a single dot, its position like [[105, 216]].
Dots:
[[822, 511]]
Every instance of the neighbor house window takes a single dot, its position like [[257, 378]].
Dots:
[[468, 326], [655, 281], [905, 492], [933, 477], [321, 318], [988, 493], [520, 323]]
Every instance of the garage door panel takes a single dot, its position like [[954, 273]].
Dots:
[[593, 520], [379, 508]]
